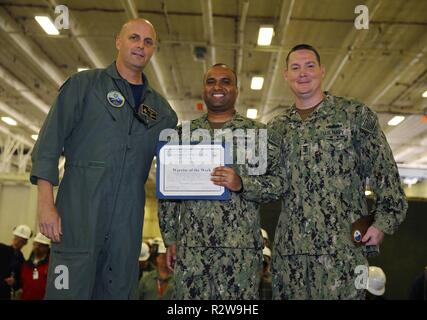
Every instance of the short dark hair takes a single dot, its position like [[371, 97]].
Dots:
[[303, 46], [225, 66]]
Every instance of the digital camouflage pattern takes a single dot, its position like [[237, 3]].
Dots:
[[318, 277], [217, 273], [326, 160], [220, 226]]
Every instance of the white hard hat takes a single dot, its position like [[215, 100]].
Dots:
[[145, 252], [264, 234], [376, 281], [266, 252], [161, 248], [40, 238], [23, 231]]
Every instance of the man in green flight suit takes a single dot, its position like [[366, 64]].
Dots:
[[107, 124], [330, 146], [218, 244]]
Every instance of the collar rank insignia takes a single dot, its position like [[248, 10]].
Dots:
[[149, 112]]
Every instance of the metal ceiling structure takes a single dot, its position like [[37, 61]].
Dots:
[[384, 66]]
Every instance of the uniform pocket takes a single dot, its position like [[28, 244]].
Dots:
[[69, 274], [80, 203]]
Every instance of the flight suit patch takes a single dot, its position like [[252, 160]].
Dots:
[[115, 99]]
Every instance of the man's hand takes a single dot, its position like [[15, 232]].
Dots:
[[10, 281], [50, 222], [226, 177], [171, 257], [48, 217], [373, 237]]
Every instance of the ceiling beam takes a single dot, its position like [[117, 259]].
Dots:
[[18, 117], [132, 13], [353, 39], [23, 90], [173, 64], [6, 131], [81, 42], [241, 41], [398, 72], [130, 8], [275, 58], [208, 28], [415, 146], [31, 50]]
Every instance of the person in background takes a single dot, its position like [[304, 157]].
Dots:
[[265, 289], [419, 287], [159, 283], [266, 239], [11, 260], [34, 270], [145, 264]]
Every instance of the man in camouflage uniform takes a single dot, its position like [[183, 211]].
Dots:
[[218, 244], [330, 145]]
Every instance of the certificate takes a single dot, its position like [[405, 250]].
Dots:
[[184, 171]]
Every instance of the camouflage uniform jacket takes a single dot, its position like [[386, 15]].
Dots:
[[326, 161], [231, 224]]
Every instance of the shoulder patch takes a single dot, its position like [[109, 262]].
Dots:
[[369, 122]]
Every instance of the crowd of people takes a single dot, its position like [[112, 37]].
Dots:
[[21, 278]]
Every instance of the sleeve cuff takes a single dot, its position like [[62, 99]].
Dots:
[[46, 170], [383, 226]]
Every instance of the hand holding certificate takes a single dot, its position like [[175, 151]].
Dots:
[[184, 172]]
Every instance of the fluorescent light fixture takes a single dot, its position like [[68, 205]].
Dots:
[[265, 35], [368, 192], [257, 82], [34, 137], [424, 94], [405, 154], [410, 181], [396, 120], [252, 113], [47, 25], [82, 69], [9, 121]]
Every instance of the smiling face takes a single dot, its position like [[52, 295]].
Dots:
[[220, 89], [304, 74], [136, 44]]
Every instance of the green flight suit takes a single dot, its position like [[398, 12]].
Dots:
[[101, 197], [325, 161], [219, 243]]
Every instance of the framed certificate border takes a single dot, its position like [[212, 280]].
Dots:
[[160, 193]]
